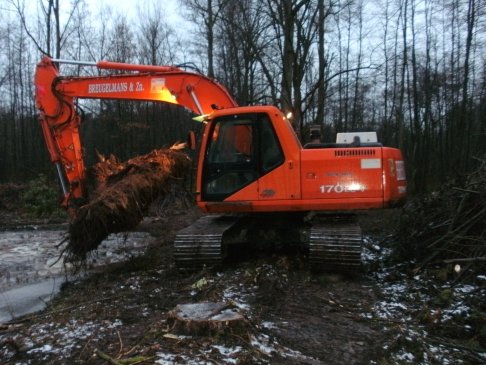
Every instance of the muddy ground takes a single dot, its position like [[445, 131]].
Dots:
[[292, 316]]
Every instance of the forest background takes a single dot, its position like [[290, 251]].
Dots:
[[412, 70]]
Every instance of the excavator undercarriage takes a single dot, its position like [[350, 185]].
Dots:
[[331, 242]]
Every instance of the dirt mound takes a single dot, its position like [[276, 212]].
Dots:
[[124, 193]]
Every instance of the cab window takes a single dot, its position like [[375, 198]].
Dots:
[[241, 148]]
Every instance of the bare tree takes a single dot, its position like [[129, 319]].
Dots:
[[294, 26], [206, 14], [323, 60], [242, 52], [53, 32], [156, 37], [465, 118]]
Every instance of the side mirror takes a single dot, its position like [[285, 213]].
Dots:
[[191, 140]]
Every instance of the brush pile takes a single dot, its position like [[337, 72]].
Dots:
[[448, 227], [122, 196]]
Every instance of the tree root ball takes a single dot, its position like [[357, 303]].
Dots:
[[206, 319], [123, 194]]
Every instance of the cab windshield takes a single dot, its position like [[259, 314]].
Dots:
[[240, 150]]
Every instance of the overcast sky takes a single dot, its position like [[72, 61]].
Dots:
[[129, 8]]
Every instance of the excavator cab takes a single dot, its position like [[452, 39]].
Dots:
[[241, 148]]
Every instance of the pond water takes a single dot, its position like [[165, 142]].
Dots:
[[32, 271]]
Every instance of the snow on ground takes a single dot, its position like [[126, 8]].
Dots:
[[406, 307], [410, 305], [229, 355], [263, 343], [62, 340]]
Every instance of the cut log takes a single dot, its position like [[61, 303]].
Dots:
[[206, 319]]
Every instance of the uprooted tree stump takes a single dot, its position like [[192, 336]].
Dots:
[[122, 196], [206, 319]]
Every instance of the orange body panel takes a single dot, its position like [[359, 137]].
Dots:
[[293, 179], [322, 179], [346, 173], [324, 183]]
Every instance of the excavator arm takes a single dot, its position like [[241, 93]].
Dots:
[[56, 96]]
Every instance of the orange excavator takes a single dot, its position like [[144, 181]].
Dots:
[[252, 171]]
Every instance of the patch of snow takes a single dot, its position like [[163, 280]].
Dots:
[[269, 325], [268, 346], [458, 309], [236, 297], [171, 359], [62, 339], [115, 324], [45, 348], [263, 344], [439, 353], [388, 310], [229, 353], [465, 289], [396, 289], [405, 356], [368, 256], [404, 298]]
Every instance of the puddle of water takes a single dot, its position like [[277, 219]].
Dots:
[[31, 271], [28, 298]]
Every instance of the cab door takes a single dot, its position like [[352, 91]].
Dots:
[[231, 159], [244, 160], [273, 183]]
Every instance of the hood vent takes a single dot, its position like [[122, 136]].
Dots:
[[355, 152]]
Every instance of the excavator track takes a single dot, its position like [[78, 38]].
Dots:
[[335, 245], [201, 244], [334, 242]]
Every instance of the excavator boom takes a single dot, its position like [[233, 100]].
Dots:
[[56, 95]]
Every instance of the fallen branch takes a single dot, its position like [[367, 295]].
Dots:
[[469, 352], [46, 314], [448, 225], [465, 260], [467, 190], [130, 361]]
